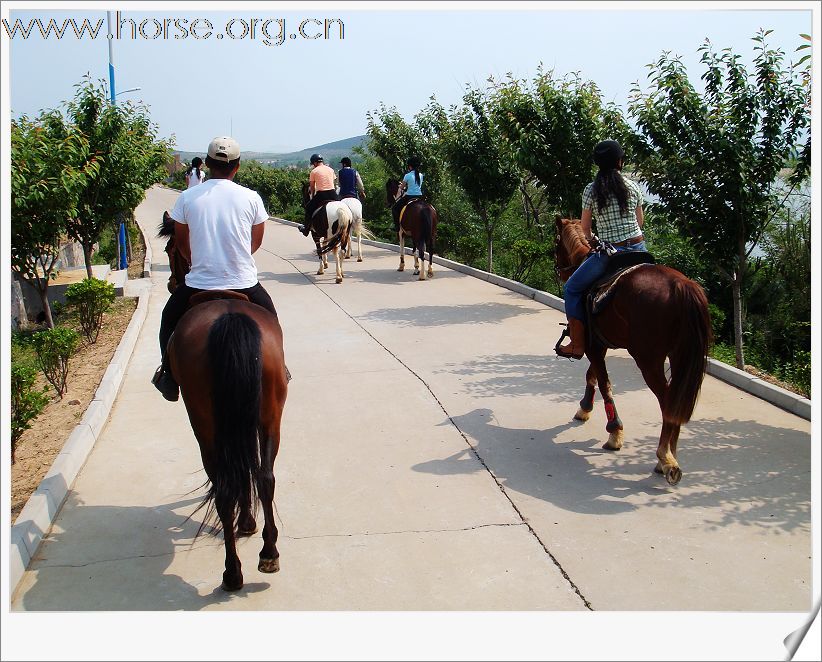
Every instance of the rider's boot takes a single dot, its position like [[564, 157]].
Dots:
[[575, 349], [165, 382]]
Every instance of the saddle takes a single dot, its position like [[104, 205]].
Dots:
[[602, 290]]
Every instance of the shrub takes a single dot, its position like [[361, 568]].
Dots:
[[54, 348], [26, 401], [92, 297]]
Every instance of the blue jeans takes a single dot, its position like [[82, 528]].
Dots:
[[585, 275]]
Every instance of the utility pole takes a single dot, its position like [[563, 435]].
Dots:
[[121, 237]]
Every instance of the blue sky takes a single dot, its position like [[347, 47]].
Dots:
[[307, 92]]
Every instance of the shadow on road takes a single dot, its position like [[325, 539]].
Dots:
[[143, 581], [483, 313], [757, 475]]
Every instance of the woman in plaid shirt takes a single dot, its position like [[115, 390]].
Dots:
[[615, 203]]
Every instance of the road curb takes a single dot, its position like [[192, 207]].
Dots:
[[740, 379], [37, 516]]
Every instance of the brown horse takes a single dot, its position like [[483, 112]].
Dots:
[[178, 264], [654, 312], [418, 220], [227, 355]]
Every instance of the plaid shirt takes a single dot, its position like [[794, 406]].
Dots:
[[611, 224]]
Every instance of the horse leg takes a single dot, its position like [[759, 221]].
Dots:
[[430, 262], [421, 256], [614, 424], [416, 252], [233, 575], [586, 405], [246, 524], [654, 373], [402, 251], [269, 556], [323, 264], [338, 260], [359, 241]]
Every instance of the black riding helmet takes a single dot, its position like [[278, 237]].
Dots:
[[316, 158], [608, 154]]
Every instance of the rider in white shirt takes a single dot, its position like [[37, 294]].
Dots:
[[218, 225]]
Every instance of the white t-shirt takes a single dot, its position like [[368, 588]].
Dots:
[[219, 215], [194, 178]]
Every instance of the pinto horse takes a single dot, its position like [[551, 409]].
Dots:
[[178, 264], [418, 220], [655, 313], [330, 229], [227, 355]]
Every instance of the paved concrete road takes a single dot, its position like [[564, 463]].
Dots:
[[430, 462]]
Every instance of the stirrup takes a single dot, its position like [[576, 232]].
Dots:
[[560, 351]]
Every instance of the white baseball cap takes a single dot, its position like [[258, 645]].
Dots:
[[224, 148]]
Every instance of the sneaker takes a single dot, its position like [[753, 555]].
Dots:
[[166, 385]]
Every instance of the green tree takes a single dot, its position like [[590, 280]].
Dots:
[[552, 125], [481, 162], [714, 159], [803, 162], [123, 140], [50, 166], [394, 141]]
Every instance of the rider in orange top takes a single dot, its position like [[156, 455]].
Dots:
[[320, 187]]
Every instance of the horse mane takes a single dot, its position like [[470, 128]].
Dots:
[[574, 241], [166, 228]]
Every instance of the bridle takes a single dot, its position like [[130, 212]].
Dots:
[[563, 272]]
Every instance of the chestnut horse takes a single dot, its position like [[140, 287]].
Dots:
[[418, 220], [226, 354], [654, 312]]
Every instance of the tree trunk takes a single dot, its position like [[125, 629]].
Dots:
[[43, 291], [489, 238], [736, 288], [87, 257]]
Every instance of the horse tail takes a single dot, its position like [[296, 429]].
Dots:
[[689, 357], [236, 385], [427, 228], [344, 218]]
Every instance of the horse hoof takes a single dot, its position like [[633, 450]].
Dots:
[[338, 279], [673, 475], [401, 269], [230, 586], [614, 442], [582, 415], [359, 259], [269, 565]]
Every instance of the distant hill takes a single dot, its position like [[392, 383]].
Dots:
[[332, 153]]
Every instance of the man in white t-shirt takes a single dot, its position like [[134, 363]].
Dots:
[[218, 225]]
